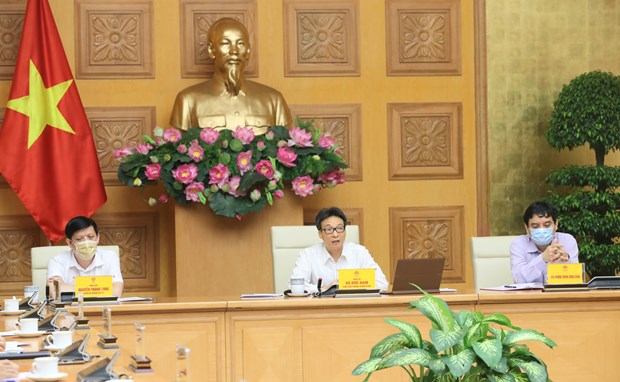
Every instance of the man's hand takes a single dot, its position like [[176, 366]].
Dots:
[[8, 369], [326, 287], [554, 253]]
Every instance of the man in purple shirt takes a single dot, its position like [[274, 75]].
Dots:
[[542, 244]]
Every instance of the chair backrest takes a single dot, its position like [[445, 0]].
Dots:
[[491, 260], [288, 241], [40, 256]]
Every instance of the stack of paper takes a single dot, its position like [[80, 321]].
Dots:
[[512, 287], [262, 295]]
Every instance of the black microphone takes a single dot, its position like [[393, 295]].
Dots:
[[318, 287]]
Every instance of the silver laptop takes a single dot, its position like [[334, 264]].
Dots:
[[425, 273]]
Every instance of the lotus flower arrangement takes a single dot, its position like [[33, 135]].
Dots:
[[235, 172]]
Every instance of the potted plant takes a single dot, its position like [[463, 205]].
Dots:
[[463, 346], [587, 110]]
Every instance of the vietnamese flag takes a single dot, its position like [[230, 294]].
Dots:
[[47, 151]]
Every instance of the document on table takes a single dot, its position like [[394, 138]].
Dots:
[[262, 295], [512, 287]]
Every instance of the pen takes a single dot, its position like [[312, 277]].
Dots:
[[510, 286], [318, 285]]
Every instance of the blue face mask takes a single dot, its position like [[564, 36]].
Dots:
[[541, 236]]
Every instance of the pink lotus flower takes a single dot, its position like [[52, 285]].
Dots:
[[163, 198], [172, 135], [326, 141], [143, 149], [234, 186], [195, 151], [303, 185], [270, 135], [278, 194], [159, 141], [286, 156], [264, 168], [185, 173], [244, 161], [192, 191], [244, 134], [300, 137], [182, 149], [124, 152], [152, 171], [260, 145], [219, 174], [332, 178], [209, 135]]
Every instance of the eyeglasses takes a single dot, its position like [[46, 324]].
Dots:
[[330, 230]]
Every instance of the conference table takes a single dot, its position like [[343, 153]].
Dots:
[[323, 339]]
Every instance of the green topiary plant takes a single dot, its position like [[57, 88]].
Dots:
[[464, 346], [587, 110]]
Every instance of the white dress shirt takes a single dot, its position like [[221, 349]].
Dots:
[[105, 263], [315, 262]]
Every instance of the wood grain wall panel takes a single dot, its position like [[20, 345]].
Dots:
[[344, 123], [423, 37], [354, 215], [114, 39], [18, 234], [425, 232], [321, 38], [136, 234], [114, 128], [11, 24], [425, 141], [196, 19]]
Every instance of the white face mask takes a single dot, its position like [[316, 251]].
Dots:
[[85, 250]]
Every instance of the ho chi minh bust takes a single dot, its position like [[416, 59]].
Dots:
[[228, 99]]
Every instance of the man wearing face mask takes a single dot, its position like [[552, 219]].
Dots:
[[84, 258], [542, 244]]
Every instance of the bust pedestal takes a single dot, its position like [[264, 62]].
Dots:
[[219, 256]]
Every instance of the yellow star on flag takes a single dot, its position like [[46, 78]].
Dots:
[[41, 106]]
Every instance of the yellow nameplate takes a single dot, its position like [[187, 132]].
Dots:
[[356, 278], [558, 273], [93, 286]]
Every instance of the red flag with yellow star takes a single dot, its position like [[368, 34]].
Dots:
[[48, 155]]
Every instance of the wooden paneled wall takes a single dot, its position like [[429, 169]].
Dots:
[[392, 80]]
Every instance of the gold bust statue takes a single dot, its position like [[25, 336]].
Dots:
[[228, 99]]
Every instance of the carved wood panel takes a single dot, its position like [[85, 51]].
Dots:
[[136, 235], [114, 39], [425, 141], [17, 235], [425, 232], [196, 19], [11, 24], [117, 127], [321, 38], [343, 122], [423, 37]]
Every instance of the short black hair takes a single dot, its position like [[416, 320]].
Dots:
[[541, 209], [78, 223], [327, 213]]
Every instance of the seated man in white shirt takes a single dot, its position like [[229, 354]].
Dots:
[[323, 260], [84, 258]]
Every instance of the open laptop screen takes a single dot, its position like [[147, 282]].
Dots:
[[425, 273]]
